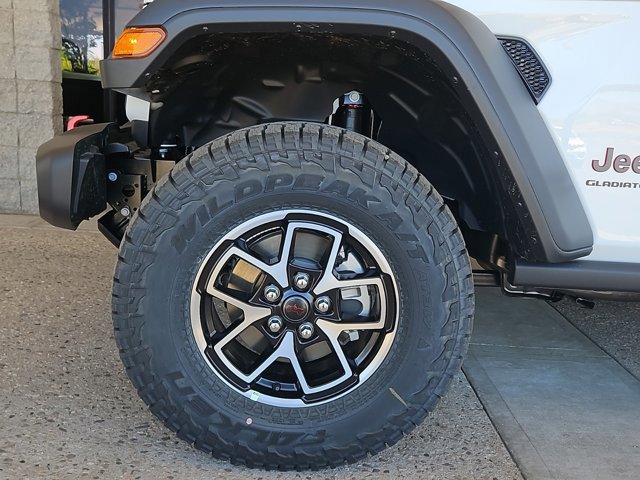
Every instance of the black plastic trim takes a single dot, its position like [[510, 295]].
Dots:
[[71, 175], [465, 48], [578, 275], [540, 74]]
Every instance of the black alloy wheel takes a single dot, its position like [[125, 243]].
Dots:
[[294, 308]]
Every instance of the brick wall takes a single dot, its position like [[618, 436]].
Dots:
[[30, 95]]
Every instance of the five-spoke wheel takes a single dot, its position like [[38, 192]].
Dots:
[[294, 308]]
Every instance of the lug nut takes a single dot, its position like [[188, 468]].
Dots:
[[275, 324], [323, 304], [306, 331], [112, 176], [272, 293], [301, 281]]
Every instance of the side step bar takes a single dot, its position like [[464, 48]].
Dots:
[[577, 275]]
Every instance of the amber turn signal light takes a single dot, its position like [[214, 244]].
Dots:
[[138, 42]]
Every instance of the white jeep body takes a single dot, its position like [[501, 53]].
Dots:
[[592, 105]]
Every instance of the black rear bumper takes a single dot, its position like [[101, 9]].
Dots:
[[71, 175]]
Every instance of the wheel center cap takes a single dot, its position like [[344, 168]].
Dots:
[[295, 309]]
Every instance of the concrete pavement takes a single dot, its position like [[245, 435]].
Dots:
[[565, 408], [68, 410]]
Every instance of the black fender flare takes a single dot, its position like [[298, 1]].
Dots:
[[461, 44]]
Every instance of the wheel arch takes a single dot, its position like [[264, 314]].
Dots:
[[541, 212]]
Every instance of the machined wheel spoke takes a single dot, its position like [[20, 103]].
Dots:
[[308, 389], [286, 349], [337, 350], [250, 311], [252, 314], [277, 271], [286, 251], [333, 329], [328, 278], [330, 282]]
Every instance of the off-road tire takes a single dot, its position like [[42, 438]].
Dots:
[[259, 170]]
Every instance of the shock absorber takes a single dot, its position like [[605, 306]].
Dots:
[[354, 113]]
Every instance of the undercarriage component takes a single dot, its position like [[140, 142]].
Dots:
[[355, 114], [129, 179]]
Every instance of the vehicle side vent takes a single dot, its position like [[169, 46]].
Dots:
[[530, 67]]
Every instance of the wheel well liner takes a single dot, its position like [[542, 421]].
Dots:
[[466, 51]]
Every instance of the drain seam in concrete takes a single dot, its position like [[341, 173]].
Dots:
[[608, 354]]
